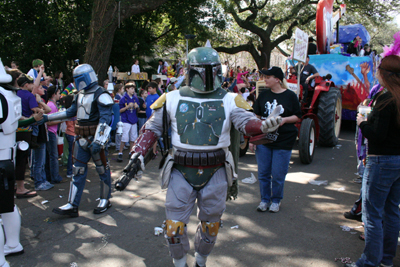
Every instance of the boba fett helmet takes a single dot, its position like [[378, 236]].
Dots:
[[204, 70]]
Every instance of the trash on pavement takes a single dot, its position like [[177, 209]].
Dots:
[[48, 220], [97, 199], [346, 228], [235, 227], [158, 231], [321, 182], [343, 260], [73, 264], [134, 196], [60, 196], [250, 180], [341, 189]]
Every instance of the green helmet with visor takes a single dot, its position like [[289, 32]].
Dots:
[[204, 70]]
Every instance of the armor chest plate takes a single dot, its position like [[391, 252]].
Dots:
[[200, 123], [85, 106]]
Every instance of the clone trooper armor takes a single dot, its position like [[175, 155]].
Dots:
[[93, 108], [199, 166], [10, 113]]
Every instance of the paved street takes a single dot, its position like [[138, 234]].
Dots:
[[306, 231]]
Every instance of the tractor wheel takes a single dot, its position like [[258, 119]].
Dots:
[[307, 141], [244, 147], [329, 117]]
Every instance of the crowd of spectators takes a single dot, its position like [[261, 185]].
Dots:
[[41, 93]]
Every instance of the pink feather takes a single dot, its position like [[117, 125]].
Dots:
[[393, 49]]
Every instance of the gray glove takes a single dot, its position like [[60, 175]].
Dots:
[[271, 123]]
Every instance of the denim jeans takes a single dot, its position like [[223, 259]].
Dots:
[[35, 130], [381, 216], [39, 160], [141, 122], [79, 180], [273, 165], [70, 140], [52, 150]]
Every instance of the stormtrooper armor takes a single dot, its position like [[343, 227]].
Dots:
[[10, 113]]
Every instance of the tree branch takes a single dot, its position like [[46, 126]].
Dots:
[[283, 52]]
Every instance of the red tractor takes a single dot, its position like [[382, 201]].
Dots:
[[321, 119]]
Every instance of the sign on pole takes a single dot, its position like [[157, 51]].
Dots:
[[300, 46], [300, 49]]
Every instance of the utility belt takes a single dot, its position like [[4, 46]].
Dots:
[[86, 130], [200, 159]]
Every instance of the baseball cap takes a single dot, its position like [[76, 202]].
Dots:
[[273, 71], [23, 79], [173, 79]]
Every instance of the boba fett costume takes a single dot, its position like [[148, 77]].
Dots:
[[199, 166]]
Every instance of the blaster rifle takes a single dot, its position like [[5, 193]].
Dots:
[[131, 169]]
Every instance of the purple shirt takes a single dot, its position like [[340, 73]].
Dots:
[[28, 102], [129, 115]]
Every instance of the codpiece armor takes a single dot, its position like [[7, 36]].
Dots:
[[93, 108], [199, 166]]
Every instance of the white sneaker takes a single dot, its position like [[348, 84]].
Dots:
[[263, 206], [8, 251], [274, 207], [384, 265]]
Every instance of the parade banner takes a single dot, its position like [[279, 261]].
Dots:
[[300, 46]]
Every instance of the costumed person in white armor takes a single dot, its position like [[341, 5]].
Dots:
[[199, 166], [10, 113], [93, 108]]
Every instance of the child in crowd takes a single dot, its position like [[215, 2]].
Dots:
[[128, 104], [151, 98], [142, 108], [118, 92], [54, 95]]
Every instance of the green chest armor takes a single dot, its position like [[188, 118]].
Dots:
[[200, 123]]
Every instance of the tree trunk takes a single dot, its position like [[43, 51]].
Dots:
[[102, 29], [103, 26]]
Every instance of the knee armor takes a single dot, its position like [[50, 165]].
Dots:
[[173, 228], [213, 227], [78, 170]]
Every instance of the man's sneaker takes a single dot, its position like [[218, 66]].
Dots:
[[263, 206], [49, 185], [357, 180], [384, 265], [119, 159], [353, 264], [274, 207], [8, 251], [43, 187], [351, 216]]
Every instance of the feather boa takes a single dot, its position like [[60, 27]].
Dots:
[[393, 49]]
